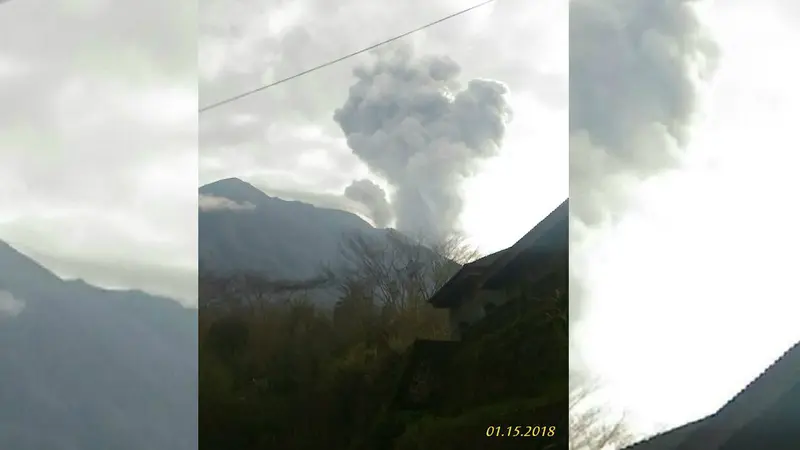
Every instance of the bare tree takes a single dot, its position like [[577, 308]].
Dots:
[[254, 291], [591, 425], [453, 248], [400, 270], [395, 275]]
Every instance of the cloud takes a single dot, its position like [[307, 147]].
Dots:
[[319, 199], [10, 306], [635, 73], [373, 197], [98, 138], [214, 203], [280, 133], [412, 123], [653, 244]]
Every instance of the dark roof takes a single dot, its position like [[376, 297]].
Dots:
[[490, 270], [668, 440], [536, 251], [485, 262], [757, 399], [776, 429]]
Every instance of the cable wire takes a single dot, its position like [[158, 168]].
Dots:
[[338, 60]]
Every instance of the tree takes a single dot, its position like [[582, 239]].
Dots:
[[277, 371], [393, 277], [591, 425]]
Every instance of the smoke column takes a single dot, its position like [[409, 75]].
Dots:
[[373, 197], [412, 123], [635, 70]]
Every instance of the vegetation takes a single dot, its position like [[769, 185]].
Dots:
[[376, 372], [592, 425]]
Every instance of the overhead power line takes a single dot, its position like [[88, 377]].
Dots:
[[330, 63]]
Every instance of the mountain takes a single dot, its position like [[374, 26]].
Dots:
[[244, 230], [92, 369], [250, 231]]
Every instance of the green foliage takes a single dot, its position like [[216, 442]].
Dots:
[[512, 369], [518, 351], [469, 429], [292, 377], [376, 373]]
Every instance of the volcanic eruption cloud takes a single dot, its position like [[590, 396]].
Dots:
[[413, 124], [635, 72], [373, 197]]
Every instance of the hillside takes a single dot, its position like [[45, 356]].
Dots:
[[92, 369], [285, 239], [243, 230], [382, 371], [510, 368], [371, 379]]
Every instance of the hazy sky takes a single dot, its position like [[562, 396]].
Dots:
[[692, 292], [98, 132], [285, 141]]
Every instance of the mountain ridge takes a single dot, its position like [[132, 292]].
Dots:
[[289, 241], [242, 192], [89, 368], [10, 256], [266, 237]]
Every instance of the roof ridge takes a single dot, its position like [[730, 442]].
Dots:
[[545, 225], [782, 358], [729, 419], [703, 421], [661, 434]]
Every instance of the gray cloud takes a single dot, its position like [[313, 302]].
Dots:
[[634, 73], [98, 139], [635, 68], [10, 306], [373, 197], [213, 203], [412, 123], [129, 271], [318, 199], [243, 45]]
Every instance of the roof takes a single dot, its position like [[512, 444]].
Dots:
[[757, 399], [536, 250], [548, 235], [775, 429], [668, 440]]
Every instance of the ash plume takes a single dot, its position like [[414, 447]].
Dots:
[[373, 197], [635, 69], [635, 72], [413, 124]]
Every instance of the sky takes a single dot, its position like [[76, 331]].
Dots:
[[286, 141], [98, 140], [100, 148], [684, 252]]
